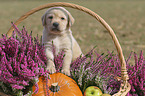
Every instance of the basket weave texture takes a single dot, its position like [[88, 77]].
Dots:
[[125, 86]]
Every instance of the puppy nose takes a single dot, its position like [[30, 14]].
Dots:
[[55, 24]]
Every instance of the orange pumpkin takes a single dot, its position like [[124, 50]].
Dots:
[[59, 85]]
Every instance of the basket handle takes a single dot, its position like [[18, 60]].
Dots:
[[124, 75]]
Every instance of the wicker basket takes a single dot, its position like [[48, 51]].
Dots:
[[125, 86]]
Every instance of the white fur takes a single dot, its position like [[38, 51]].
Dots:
[[62, 39]]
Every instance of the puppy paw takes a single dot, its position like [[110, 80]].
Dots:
[[51, 69], [66, 72]]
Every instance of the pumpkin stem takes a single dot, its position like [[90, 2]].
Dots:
[[54, 87]]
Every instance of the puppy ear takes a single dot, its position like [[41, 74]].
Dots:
[[43, 18], [70, 19]]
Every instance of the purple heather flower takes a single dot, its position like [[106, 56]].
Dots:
[[17, 86], [87, 68], [21, 60]]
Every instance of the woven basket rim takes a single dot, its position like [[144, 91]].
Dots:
[[125, 86]]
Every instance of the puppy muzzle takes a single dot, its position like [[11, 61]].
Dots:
[[55, 24]]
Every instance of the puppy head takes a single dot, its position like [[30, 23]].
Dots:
[[57, 20]]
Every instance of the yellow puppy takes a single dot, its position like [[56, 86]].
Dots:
[[57, 22]]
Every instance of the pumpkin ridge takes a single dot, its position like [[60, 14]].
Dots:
[[60, 81], [65, 82], [67, 85], [59, 76], [44, 82], [55, 78]]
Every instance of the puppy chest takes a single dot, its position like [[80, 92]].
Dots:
[[62, 43]]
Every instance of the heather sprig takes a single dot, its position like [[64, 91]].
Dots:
[[94, 69], [136, 73], [22, 60], [87, 70], [137, 76], [58, 59], [90, 71]]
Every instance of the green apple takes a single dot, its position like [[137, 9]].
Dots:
[[106, 95], [93, 91]]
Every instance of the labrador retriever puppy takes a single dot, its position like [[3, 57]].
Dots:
[[57, 22]]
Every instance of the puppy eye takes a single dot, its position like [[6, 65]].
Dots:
[[50, 17], [62, 18]]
